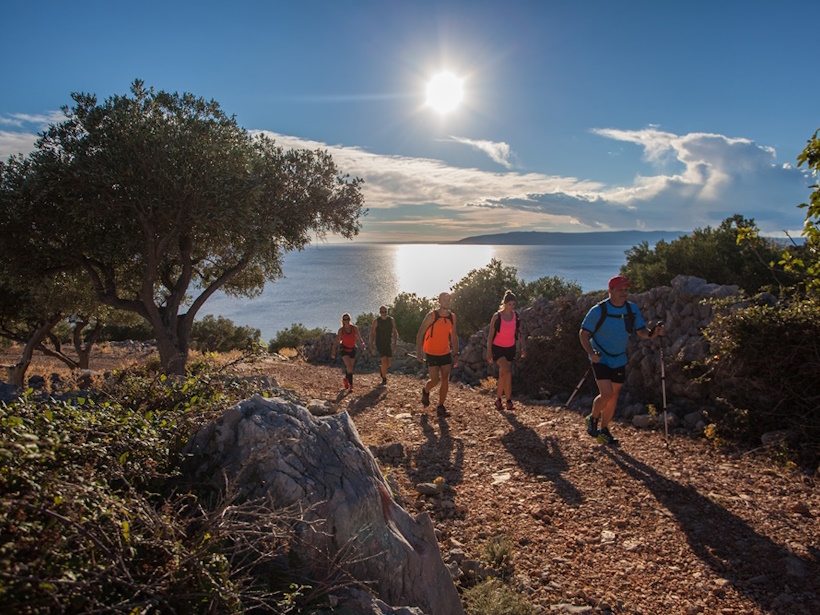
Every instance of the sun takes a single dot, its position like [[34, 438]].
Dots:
[[445, 92]]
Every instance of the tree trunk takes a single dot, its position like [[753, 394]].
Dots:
[[84, 350], [173, 354], [276, 449], [17, 373]]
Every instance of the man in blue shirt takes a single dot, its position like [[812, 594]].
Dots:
[[604, 335]]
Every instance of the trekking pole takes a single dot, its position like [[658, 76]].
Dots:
[[663, 393], [578, 388]]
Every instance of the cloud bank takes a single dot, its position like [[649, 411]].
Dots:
[[697, 180]]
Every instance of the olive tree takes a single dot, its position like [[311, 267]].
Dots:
[[161, 199]]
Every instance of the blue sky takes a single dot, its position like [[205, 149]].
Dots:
[[577, 116]]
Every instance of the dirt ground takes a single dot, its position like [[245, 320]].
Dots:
[[638, 528]]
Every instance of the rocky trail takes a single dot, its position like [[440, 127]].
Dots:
[[638, 528]]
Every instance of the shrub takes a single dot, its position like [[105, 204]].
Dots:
[[715, 255], [409, 310], [492, 597], [221, 335], [95, 516], [550, 288], [293, 337], [764, 369], [478, 294]]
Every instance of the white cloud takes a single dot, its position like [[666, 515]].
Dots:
[[13, 143], [499, 152], [699, 180], [715, 177]]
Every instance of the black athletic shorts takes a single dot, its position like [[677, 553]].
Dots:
[[605, 372], [385, 351], [437, 360], [348, 353], [503, 351]]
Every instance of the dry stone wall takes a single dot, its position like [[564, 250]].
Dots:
[[685, 308]]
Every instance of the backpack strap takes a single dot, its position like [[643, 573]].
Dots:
[[517, 323]]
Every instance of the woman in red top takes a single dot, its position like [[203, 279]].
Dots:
[[346, 340], [501, 341]]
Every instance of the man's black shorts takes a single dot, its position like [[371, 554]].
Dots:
[[437, 360], [385, 351], [613, 374]]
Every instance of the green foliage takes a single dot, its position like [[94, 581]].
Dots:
[[365, 320], [550, 288], [222, 335], [127, 329], [155, 194], [409, 310], [293, 337], [477, 295], [492, 597], [764, 369], [498, 551], [805, 262], [96, 516], [733, 253]]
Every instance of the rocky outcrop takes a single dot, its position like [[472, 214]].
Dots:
[[277, 449]]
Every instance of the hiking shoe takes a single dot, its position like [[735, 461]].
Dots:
[[509, 405], [425, 398], [347, 384], [442, 411], [604, 437], [384, 381], [498, 404], [592, 426]]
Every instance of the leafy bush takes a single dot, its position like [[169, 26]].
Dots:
[[409, 310], [478, 294], [764, 369], [715, 255], [293, 337], [365, 320], [95, 515], [221, 335], [550, 287]]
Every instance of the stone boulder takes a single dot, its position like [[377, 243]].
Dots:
[[275, 448]]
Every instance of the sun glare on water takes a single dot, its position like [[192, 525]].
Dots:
[[445, 92], [429, 269]]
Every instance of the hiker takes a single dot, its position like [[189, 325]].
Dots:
[[383, 331], [347, 336], [436, 340], [604, 335], [501, 339]]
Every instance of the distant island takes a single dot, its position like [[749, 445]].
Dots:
[[603, 238]]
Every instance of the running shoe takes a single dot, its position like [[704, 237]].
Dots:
[[442, 411], [498, 404], [605, 437], [592, 426], [425, 398], [347, 384], [510, 405], [384, 381]]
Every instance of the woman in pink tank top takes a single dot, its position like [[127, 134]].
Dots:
[[501, 340]]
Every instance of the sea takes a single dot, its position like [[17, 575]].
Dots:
[[326, 280]]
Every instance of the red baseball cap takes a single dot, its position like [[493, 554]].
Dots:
[[618, 281]]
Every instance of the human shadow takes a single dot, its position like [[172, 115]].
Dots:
[[440, 455], [539, 457], [358, 404], [751, 561]]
